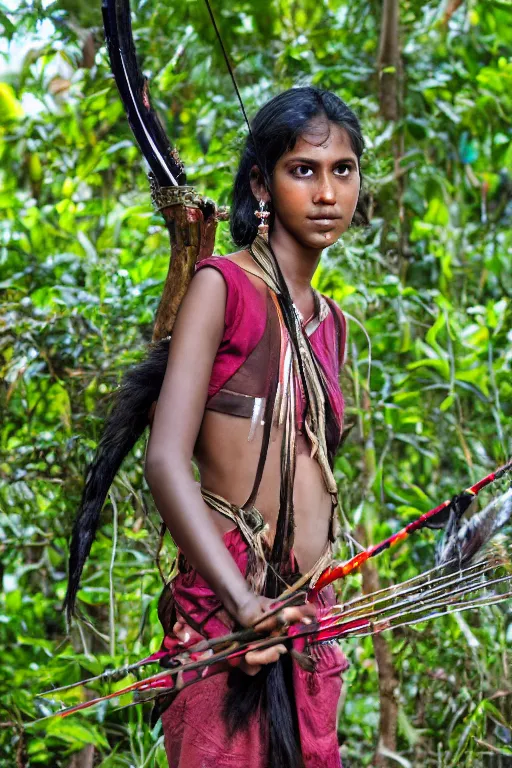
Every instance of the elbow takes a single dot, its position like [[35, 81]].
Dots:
[[160, 465], [156, 466], [156, 462], [152, 469]]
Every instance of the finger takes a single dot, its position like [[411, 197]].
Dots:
[[249, 669], [267, 656], [298, 613], [240, 663], [267, 625], [185, 634], [263, 657], [287, 616], [303, 614]]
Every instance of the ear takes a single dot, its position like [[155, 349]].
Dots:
[[258, 186]]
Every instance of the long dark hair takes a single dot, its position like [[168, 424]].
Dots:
[[127, 421], [274, 131]]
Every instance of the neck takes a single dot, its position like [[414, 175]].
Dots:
[[297, 263]]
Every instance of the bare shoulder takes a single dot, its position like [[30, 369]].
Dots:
[[241, 258], [244, 260], [207, 290], [333, 305]]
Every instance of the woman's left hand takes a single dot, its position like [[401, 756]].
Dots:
[[253, 660], [249, 617]]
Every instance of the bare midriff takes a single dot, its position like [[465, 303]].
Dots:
[[227, 463]]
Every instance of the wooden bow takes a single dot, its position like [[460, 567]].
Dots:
[[190, 218]]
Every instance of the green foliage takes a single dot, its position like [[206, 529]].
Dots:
[[82, 262]]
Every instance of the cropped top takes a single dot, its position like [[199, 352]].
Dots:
[[239, 378]]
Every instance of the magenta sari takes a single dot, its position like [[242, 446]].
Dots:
[[195, 732]]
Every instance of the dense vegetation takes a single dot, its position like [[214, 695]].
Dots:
[[82, 262]]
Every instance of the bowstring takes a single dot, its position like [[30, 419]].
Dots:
[[235, 85], [228, 64]]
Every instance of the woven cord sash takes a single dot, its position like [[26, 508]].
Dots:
[[300, 363], [315, 420]]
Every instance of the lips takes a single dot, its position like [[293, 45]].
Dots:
[[324, 218], [325, 221]]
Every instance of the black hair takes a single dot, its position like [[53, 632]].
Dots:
[[126, 423], [274, 131]]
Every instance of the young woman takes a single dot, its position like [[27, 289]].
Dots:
[[251, 393]]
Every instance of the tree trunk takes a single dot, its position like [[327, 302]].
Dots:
[[391, 101], [389, 60], [388, 682], [84, 758]]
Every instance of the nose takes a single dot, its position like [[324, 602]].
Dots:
[[325, 192]]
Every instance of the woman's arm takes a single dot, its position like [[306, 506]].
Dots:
[[197, 334], [196, 337]]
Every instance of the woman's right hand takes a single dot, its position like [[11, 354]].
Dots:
[[247, 616]]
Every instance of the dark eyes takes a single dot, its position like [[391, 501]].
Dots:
[[344, 169], [304, 171]]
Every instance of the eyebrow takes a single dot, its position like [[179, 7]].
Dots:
[[310, 161]]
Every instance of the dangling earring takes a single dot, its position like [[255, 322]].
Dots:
[[262, 215]]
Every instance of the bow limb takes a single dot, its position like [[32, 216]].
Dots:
[[190, 218], [435, 593], [133, 88]]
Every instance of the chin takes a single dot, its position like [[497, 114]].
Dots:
[[322, 239], [313, 241]]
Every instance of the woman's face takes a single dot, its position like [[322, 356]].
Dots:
[[315, 186]]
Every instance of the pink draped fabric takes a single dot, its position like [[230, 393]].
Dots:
[[244, 324], [195, 732], [245, 320]]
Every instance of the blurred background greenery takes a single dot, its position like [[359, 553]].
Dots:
[[82, 264]]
